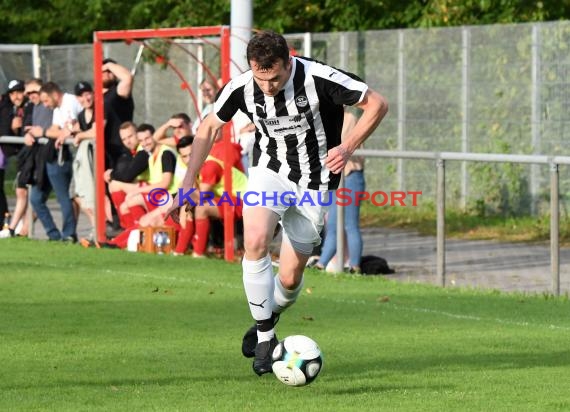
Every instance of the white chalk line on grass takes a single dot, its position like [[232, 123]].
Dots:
[[480, 319], [364, 302], [342, 301]]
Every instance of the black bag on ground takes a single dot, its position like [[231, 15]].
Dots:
[[374, 265]]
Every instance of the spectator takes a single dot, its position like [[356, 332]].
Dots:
[[211, 182], [178, 125], [58, 162], [354, 182], [133, 163], [161, 167], [26, 165], [118, 107], [33, 170], [83, 164], [12, 105], [129, 168], [208, 88], [156, 217]]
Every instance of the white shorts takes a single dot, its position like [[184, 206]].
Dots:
[[301, 210]]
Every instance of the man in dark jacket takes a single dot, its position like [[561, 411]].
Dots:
[[118, 106], [12, 108]]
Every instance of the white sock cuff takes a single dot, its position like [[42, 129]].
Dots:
[[256, 266], [265, 336], [288, 292], [283, 298]]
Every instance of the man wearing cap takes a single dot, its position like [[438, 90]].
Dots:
[[12, 112], [37, 118], [118, 106]]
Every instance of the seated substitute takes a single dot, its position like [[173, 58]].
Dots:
[[170, 133], [156, 217], [161, 177], [212, 201]]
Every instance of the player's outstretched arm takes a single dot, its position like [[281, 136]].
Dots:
[[374, 107], [201, 146]]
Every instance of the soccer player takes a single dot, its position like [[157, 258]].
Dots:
[[296, 105]]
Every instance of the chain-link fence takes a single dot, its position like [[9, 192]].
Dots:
[[490, 89]]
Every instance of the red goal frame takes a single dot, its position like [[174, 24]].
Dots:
[[129, 35]]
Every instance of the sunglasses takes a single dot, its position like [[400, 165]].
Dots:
[[31, 92]]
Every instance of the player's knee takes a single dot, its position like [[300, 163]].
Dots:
[[255, 242], [289, 282]]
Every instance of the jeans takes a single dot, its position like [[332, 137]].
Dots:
[[60, 180], [355, 182]]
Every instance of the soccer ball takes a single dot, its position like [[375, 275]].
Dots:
[[297, 360]]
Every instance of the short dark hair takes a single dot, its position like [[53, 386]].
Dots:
[[184, 141], [50, 87], [145, 127], [266, 48], [182, 116], [126, 125]]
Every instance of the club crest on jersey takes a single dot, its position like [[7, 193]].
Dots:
[[301, 101]]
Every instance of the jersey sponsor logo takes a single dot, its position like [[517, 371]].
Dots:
[[286, 125], [301, 101]]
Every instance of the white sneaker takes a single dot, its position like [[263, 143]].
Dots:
[[5, 233]]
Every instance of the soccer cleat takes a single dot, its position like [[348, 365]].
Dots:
[[263, 351], [249, 341]]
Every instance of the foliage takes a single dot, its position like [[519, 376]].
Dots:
[[67, 21]]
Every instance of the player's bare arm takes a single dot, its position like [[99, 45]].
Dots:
[[160, 133], [201, 146], [374, 107]]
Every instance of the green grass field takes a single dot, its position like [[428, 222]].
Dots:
[[108, 330]]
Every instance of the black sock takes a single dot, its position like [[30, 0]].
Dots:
[[265, 325]]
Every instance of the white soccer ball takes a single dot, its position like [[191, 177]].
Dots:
[[297, 360]]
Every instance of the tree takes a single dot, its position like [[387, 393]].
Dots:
[[73, 21]]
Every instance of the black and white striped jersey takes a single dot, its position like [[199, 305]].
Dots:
[[296, 128]]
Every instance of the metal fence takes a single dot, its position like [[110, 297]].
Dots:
[[440, 161], [486, 89]]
